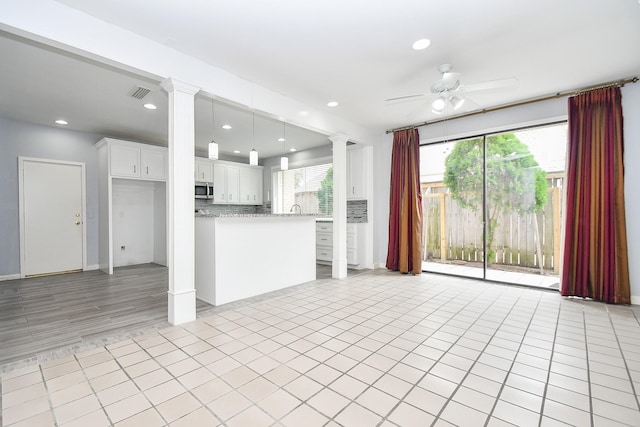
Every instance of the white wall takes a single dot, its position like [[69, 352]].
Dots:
[[24, 139], [500, 120], [133, 222]]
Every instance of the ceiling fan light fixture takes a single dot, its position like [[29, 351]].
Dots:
[[437, 106], [456, 102]]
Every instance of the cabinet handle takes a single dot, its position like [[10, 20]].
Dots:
[[147, 170], [134, 168]]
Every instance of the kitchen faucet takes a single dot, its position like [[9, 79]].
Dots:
[[299, 208]]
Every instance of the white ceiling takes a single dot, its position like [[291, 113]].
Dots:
[[355, 52]]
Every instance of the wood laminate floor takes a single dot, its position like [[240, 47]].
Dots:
[[43, 314], [39, 316]]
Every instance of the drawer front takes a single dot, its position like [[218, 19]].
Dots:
[[324, 227], [324, 254], [324, 239]]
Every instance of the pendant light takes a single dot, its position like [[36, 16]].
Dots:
[[213, 145], [253, 154], [284, 161]]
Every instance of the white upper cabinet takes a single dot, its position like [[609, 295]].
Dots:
[[134, 160], [233, 184], [203, 170], [251, 185], [356, 175], [236, 183], [125, 161], [153, 164], [256, 185], [220, 183]]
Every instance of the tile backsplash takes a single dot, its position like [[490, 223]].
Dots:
[[227, 209], [356, 209]]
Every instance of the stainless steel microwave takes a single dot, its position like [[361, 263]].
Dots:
[[204, 190]]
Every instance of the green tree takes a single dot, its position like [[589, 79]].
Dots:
[[325, 193], [514, 180]]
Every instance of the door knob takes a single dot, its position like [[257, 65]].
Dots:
[[77, 215], [77, 222]]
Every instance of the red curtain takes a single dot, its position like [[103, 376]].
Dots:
[[595, 250], [405, 204]]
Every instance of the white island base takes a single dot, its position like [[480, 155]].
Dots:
[[239, 257]]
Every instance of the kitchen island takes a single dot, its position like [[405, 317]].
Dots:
[[243, 255]]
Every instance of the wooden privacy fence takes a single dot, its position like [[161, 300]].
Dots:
[[453, 233]]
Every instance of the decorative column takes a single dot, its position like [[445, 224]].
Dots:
[[181, 203], [339, 265]]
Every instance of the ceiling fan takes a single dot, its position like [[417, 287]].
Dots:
[[449, 91]]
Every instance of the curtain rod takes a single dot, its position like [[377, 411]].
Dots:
[[519, 103]]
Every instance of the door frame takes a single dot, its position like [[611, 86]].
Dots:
[[21, 213]]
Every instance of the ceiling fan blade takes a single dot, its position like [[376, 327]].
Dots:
[[492, 84], [406, 97]]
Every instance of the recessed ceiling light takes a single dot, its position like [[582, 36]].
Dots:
[[62, 122], [421, 44], [292, 149], [149, 106], [281, 139], [227, 127], [304, 113], [332, 104], [236, 151]]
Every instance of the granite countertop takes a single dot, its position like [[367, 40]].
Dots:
[[248, 215]]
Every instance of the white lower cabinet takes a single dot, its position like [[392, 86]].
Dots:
[[352, 244], [324, 243]]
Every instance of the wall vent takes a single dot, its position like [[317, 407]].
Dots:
[[139, 92]]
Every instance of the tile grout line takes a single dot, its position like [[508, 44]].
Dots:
[[624, 359], [546, 383]]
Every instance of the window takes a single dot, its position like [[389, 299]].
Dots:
[[492, 205], [310, 187]]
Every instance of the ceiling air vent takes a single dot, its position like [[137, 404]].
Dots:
[[139, 92]]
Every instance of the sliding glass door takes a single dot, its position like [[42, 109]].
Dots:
[[492, 205]]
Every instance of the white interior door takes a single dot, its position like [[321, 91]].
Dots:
[[52, 216]]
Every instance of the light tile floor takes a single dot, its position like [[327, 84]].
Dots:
[[375, 349]]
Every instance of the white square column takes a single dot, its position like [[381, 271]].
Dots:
[[339, 261], [181, 203]]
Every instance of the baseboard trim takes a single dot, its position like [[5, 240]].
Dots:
[[10, 277], [635, 299], [92, 267]]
